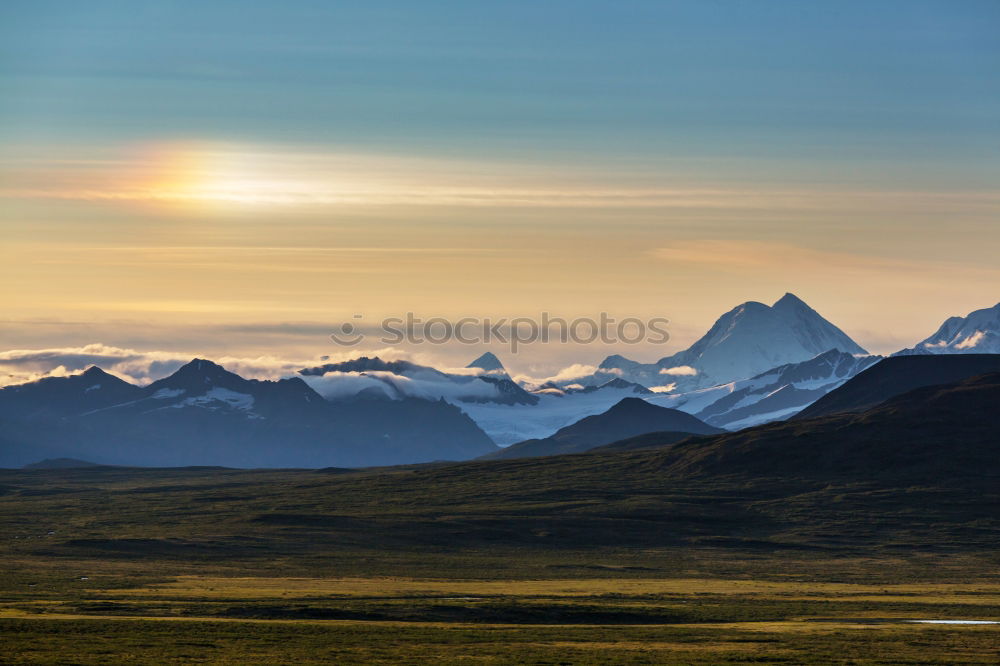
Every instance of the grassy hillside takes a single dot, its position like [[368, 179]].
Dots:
[[549, 516]]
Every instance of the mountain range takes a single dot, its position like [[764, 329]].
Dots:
[[369, 411], [204, 415], [635, 423], [398, 379], [910, 477], [779, 392]]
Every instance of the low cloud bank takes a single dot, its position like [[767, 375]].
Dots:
[[430, 386], [680, 371], [142, 367], [18, 366]]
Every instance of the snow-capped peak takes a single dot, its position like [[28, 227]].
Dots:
[[976, 333], [790, 301], [749, 339], [488, 362]]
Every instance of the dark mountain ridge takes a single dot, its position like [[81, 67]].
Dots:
[[896, 375], [628, 417], [946, 429], [61, 463], [205, 415], [57, 397]]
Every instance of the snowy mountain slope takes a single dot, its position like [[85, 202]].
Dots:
[[772, 395], [784, 391], [399, 379], [749, 339], [976, 333]]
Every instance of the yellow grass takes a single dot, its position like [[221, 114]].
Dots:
[[259, 588]]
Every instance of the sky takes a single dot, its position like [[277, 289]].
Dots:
[[238, 178]]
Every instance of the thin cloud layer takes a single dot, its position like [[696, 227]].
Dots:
[[142, 367], [680, 371]]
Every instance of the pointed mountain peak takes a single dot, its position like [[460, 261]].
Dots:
[[201, 366], [296, 382], [94, 377], [616, 362], [790, 300], [198, 373], [94, 372], [488, 362], [631, 404], [635, 408], [620, 383]]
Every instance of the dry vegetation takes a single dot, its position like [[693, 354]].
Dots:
[[589, 559]]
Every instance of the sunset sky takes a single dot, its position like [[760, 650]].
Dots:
[[237, 178]]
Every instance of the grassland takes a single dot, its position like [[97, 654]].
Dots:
[[223, 619], [576, 560]]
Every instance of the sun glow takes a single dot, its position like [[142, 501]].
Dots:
[[197, 177], [219, 177], [205, 178]]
